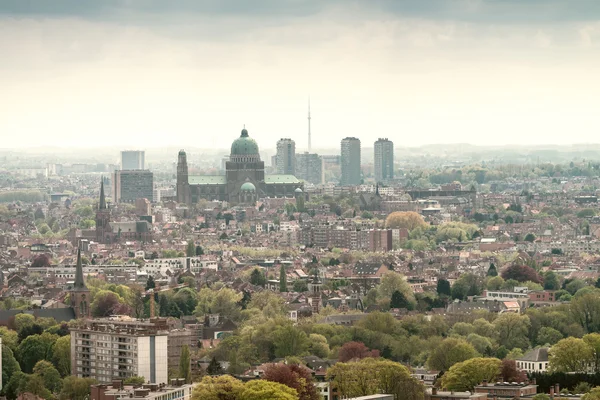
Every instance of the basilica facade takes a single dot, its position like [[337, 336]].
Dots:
[[244, 181]]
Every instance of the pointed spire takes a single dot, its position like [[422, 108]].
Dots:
[[79, 283], [102, 205]]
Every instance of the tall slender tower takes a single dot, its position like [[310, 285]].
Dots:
[[309, 144], [183, 186], [102, 216], [80, 292]]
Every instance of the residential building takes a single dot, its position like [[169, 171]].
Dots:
[[286, 157], [309, 167], [120, 347], [117, 391], [384, 160], [130, 185], [133, 160], [535, 360], [176, 340], [350, 161]]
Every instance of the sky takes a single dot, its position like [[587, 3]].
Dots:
[[192, 73]]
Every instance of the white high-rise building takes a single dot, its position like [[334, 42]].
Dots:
[[384, 160], [286, 157]]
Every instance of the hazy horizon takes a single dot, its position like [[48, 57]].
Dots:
[[189, 74]]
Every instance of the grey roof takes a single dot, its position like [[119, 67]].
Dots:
[[274, 179], [539, 354], [207, 180]]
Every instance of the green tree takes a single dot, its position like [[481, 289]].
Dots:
[[260, 389], [214, 367], [570, 355], [75, 388], [290, 341], [185, 364], [593, 340], [593, 394], [470, 373], [10, 338], [443, 287], [199, 250], [61, 355], [282, 280], [257, 278], [35, 348], [15, 385], [530, 237], [551, 281], [49, 375], [512, 330], [223, 387], [492, 270], [449, 352], [548, 336], [391, 282], [399, 301], [318, 345], [135, 380], [150, 284], [300, 286], [190, 250], [10, 366]]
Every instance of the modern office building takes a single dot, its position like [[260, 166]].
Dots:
[[133, 160], [309, 167], [350, 160], [384, 160], [130, 185], [286, 157], [120, 347]]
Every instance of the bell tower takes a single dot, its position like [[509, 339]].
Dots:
[[102, 217], [80, 294], [183, 185], [314, 288]]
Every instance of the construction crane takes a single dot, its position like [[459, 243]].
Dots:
[[151, 292]]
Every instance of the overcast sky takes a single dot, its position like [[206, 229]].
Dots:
[[151, 73]]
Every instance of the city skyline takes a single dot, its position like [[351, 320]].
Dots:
[[483, 72]]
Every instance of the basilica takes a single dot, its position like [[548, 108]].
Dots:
[[244, 181]]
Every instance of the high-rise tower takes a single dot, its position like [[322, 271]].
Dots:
[[384, 160], [286, 157], [350, 160], [183, 187]]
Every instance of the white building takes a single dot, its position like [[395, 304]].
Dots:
[[535, 360]]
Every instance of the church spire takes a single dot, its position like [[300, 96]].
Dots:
[[79, 283], [102, 205]]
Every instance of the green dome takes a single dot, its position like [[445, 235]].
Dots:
[[248, 187], [244, 145]]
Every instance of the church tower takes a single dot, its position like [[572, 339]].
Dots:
[[80, 295], [102, 217], [183, 185], [314, 289]]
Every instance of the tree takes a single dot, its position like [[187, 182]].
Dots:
[[224, 302], [318, 345], [593, 394], [106, 303], [260, 389], [492, 270], [585, 309], [548, 336], [257, 277], [593, 340], [449, 352], [391, 282], [35, 348], [290, 341], [371, 376], [10, 366], [135, 381], [512, 330], [399, 301], [551, 281], [150, 284], [282, 280], [570, 355], [190, 250], [510, 372], [443, 287], [521, 273], [355, 351], [41, 261], [185, 365], [405, 219], [223, 387], [470, 373], [199, 250], [530, 237], [15, 385], [300, 286], [49, 375], [75, 388], [294, 376], [214, 367]]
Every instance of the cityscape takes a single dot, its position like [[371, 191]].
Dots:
[[299, 200]]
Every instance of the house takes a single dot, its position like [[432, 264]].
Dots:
[[535, 360]]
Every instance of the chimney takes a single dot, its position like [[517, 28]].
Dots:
[[433, 391], [533, 381], [551, 392], [556, 388], [484, 383]]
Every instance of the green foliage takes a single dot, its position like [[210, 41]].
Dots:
[[467, 374], [135, 380], [49, 375], [75, 388], [10, 366], [282, 279], [449, 352], [35, 348], [185, 364], [570, 355], [290, 341], [258, 278], [260, 389]]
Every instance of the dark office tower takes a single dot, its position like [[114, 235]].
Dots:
[[309, 168], [183, 188], [133, 160], [384, 160], [350, 160], [286, 157]]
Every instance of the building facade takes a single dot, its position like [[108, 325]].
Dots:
[[309, 167], [133, 160], [350, 161], [286, 157], [130, 185], [120, 347], [244, 180], [384, 160]]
